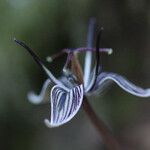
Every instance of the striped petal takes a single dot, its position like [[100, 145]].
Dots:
[[64, 105], [37, 99], [126, 85]]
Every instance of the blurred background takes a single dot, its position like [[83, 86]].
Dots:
[[50, 25]]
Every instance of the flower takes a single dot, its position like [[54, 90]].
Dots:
[[67, 94]]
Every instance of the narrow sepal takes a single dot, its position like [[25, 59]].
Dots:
[[37, 99], [122, 82], [64, 105], [39, 62]]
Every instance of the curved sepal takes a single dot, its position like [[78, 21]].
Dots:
[[126, 85], [64, 105], [37, 99]]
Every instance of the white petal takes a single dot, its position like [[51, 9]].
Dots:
[[123, 83], [37, 99], [64, 105]]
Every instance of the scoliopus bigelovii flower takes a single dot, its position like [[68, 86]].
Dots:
[[67, 93]]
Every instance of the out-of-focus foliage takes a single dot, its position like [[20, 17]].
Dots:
[[48, 26]]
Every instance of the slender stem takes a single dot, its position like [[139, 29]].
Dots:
[[107, 137]]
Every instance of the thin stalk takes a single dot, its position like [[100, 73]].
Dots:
[[107, 137]]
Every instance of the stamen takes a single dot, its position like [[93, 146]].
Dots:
[[51, 58], [109, 51], [81, 49], [69, 57], [85, 49], [39, 62]]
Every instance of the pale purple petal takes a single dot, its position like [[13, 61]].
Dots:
[[92, 79], [64, 105], [104, 78], [37, 99], [88, 55], [97, 65]]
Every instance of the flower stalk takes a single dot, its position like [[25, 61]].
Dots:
[[108, 139]]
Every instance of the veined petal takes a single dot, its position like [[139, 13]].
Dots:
[[64, 105], [37, 99], [122, 82]]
